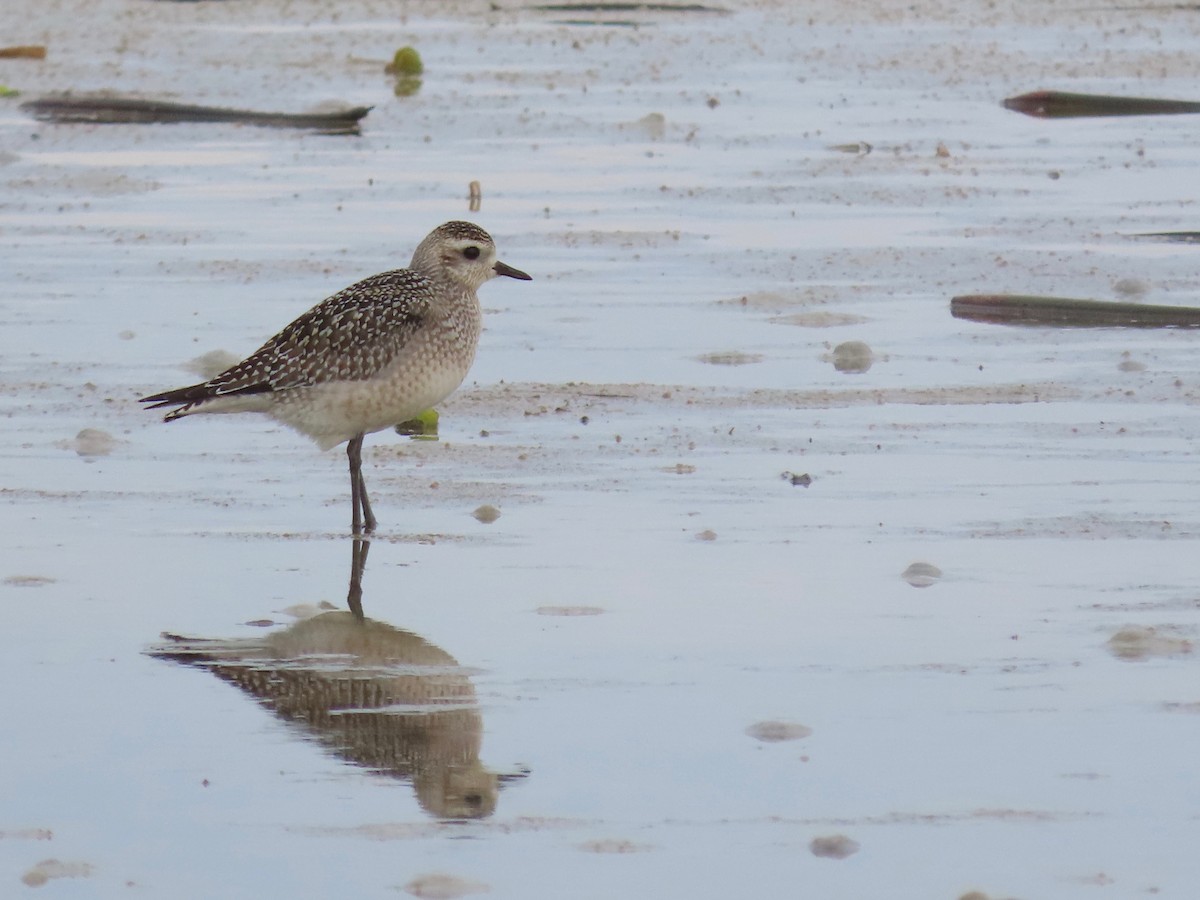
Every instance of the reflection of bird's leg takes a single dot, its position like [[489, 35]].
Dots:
[[358, 563], [361, 505]]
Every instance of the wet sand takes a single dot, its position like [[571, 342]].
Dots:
[[692, 655]]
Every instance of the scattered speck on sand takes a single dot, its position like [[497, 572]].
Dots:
[[652, 125], [922, 574], [1175, 706], [1129, 364], [307, 610], [833, 846], [730, 358], [772, 731], [53, 868], [818, 318], [569, 610], [90, 442], [1138, 642], [212, 363], [852, 357], [767, 300], [858, 148], [487, 514], [783, 308], [27, 834], [438, 886], [375, 831], [28, 580], [613, 845]]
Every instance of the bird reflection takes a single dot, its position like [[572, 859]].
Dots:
[[372, 694]]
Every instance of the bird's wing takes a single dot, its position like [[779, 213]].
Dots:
[[350, 336]]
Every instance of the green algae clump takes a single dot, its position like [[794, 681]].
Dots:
[[423, 427], [406, 63]]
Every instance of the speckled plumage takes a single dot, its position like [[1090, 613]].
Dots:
[[372, 355]]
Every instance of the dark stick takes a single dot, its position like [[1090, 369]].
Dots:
[[102, 109], [1018, 309]]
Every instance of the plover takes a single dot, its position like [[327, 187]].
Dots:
[[371, 356]]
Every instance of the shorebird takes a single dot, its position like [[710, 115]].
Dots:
[[371, 356]]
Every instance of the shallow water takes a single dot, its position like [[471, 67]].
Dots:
[[657, 596]]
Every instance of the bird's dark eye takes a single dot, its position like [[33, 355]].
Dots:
[[471, 253]]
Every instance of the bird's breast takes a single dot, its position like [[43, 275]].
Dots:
[[426, 371]]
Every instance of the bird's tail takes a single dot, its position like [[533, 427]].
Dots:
[[185, 398]]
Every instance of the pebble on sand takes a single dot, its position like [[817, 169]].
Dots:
[[28, 580], [922, 574], [772, 731], [852, 357], [1131, 287], [53, 868], [487, 514], [1138, 642], [833, 846], [91, 442], [443, 887], [569, 610], [613, 845]]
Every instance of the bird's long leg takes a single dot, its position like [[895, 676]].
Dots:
[[354, 455], [365, 502], [361, 506]]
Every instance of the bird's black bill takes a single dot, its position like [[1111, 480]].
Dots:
[[501, 269]]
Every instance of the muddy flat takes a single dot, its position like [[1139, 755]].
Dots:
[[739, 565]]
